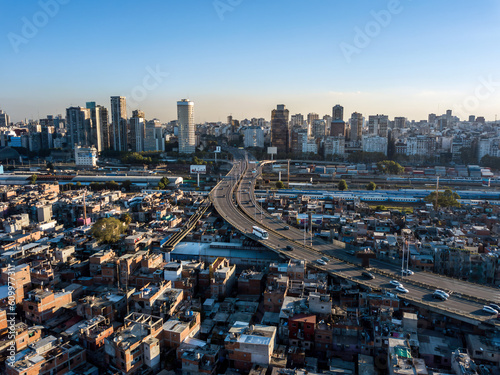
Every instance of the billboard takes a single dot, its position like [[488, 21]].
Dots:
[[201, 169], [272, 150]]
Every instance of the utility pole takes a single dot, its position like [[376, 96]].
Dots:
[[437, 191], [288, 175]]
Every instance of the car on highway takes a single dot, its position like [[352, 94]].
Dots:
[[286, 227], [401, 289], [321, 261], [395, 283], [408, 272], [440, 296], [489, 310], [289, 247], [496, 307], [368, 275], [443, 293], [392, 295]]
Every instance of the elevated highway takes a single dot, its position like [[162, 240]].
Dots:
[[234, 199]]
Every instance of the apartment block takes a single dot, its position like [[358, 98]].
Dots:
[[41, 305], [136, 345], [249, 344]]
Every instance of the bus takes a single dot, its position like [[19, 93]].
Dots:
[[261, 233]]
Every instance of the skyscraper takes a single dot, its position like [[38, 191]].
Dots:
[[338, 112], [185, 121], [4, 119], [99, 125], [356, 126], [119, 123], [79, 127], [280, 132], [137, 131]]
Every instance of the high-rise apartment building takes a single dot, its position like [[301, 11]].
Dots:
[[400, 122], [100, 126], [338, 112], [137, 130], [185, 120], [154, 139], [79, 127], [297, 120], [378, 125], [280, 131], [4, 119], [311, 117], [356, 126], [318, 129], [119, 123], [337, 128]]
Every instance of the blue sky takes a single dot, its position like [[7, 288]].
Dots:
[[426, 56]]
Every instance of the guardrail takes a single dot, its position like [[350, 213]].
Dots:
[[339, 273]]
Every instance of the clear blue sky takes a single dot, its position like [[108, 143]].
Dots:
[[430, 56]]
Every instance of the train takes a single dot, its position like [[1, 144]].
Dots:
[[394, 196]]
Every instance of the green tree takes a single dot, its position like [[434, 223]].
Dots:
[[390, 167], [78, 185], [33, 179], [126, 218], [112, 185], [446, 199], [162, 185], [108, 230], [280, 185], [490, 161], [127, 184], [371, 186], [342, 185]]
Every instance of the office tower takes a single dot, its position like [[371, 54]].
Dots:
[[185, 120], [119, 123], [4, 119], [378, 125], [99, 124], [432, 118], [400, 122], [356, 126], [472, 118], [230, 120], [137, 131], [79, 127], [318, 129], [338, 112], [280, 131], [154, 139]]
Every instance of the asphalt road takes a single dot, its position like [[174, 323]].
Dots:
[[234, 199]]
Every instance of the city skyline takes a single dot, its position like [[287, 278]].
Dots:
[[241, 59]]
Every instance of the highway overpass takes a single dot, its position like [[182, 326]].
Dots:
[[235, 201]]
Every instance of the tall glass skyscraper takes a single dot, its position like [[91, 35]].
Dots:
[[185, 121], [119, 123]]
